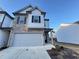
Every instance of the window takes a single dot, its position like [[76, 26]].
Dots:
[[21, 20], [46, 23], [36, 19]]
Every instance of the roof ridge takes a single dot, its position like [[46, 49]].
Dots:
[[23, 8]]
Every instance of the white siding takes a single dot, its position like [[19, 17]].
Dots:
[[36, 12], [7, 22], [1, 17], [4, 35], [35, 25], [69, 34], [30, 39]]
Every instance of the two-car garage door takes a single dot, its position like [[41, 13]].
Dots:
[[22, 40]]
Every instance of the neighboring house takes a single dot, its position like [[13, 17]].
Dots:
[[68, 33], [5, 27], [29, 28]]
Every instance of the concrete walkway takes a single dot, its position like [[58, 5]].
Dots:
[[38, 52]]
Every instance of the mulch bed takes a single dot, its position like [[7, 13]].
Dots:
[[62, 53]]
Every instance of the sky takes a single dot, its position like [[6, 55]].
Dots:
[[57, 11]]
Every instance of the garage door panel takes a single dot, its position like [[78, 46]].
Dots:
[[28, 39]]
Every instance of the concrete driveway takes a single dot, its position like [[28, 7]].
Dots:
[[38, 52]]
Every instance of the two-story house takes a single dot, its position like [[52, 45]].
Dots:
[[30, 28]]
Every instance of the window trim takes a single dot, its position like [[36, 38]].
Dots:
[[18, 20], [39, 21]]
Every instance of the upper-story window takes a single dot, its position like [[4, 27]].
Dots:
[[36, 19], [21, 20]]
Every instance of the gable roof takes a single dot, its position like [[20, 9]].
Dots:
[[33, 8], [22, 9], [42, 12], [4, 12]]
